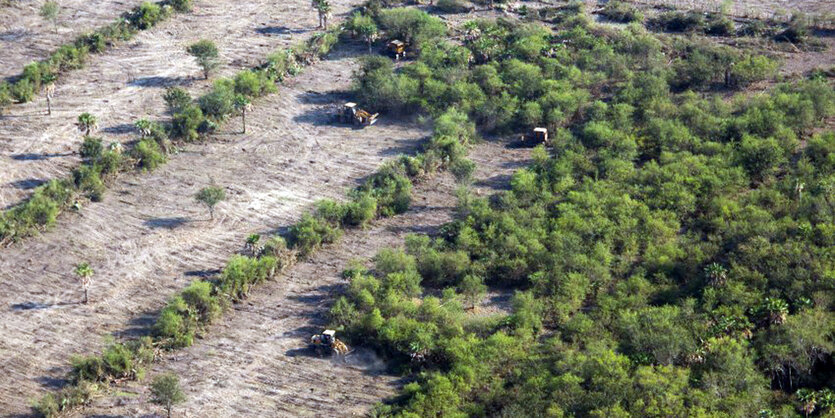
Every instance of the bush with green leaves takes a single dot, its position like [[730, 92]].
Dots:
[[177, 99], [622, 12], [205, 53]]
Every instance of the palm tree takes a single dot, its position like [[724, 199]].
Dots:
[[324, 9], [87, 123], [243, 104], [716, 274], [49, 82], [774, 311], [144, 127], [85, 273], [808, 399]]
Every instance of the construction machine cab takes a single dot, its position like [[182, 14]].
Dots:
[[540, 136], [328, 337], [397, 48], [353, 114]]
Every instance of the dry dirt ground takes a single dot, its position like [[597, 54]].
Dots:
[[127, 83], [25, 36], [148, 238], [256, 361]]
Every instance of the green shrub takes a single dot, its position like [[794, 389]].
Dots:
[[148, 154], [69, 57], [90, 368], [23, 91], [248, 84], [147, 15], [218, 103], [452, 6], [176, 99], [181, 5], [679, 21], [309, 233], [119, 361], [200, 300], [91, 148], [95, 42], [87, 180], [720, 26], [618, 11], [47, 406], [5, 95], [360, 211], [753, 68], [186, 122], [410, 25]]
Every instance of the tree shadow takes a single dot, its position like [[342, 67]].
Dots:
[[161, 81], [27, 184], [202, 273], [34, 156], [166, 223], [28, 306], [120, 129], [497, 182], [138, 326], [278, 30]]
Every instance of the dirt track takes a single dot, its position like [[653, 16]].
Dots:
[[25, 36], [127, 83], [255, 362], [148, 238]]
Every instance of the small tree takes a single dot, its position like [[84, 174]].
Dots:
[[144, 127], [49, 82], [367, 30], [85, 274], [210, 196], [49, 11], [166, 391], [473, 289], [87, 123], [242, 105], [205, 52], [323, 7]]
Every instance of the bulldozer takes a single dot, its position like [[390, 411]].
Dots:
[[327, 343], [352, 114], [397, 48]]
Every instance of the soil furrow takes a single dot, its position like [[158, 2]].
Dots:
[[256, 362], [148, 238], [127, 83]]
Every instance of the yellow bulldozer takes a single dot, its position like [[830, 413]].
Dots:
[[397, 48], [327, 343], [352, 114]]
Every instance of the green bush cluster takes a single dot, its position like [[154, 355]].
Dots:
[[202, 301], [622, 12], [90, 373], [73, 56], [150, 151], [670, 252]]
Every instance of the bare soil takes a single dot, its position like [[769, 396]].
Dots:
[[127, 83], [148, 238], [256, 361], [25, 36]]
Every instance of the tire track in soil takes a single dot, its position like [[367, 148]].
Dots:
[[127, 83], [25, 36], [255, 361], [149, 239]]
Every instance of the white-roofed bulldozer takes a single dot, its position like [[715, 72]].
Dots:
[[352, 114], [326, 343]]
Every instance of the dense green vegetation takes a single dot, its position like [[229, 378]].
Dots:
[[670, 254]]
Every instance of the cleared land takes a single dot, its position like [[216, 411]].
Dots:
[[256, 361], [149, 238], [127, 83], [25, 36]]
